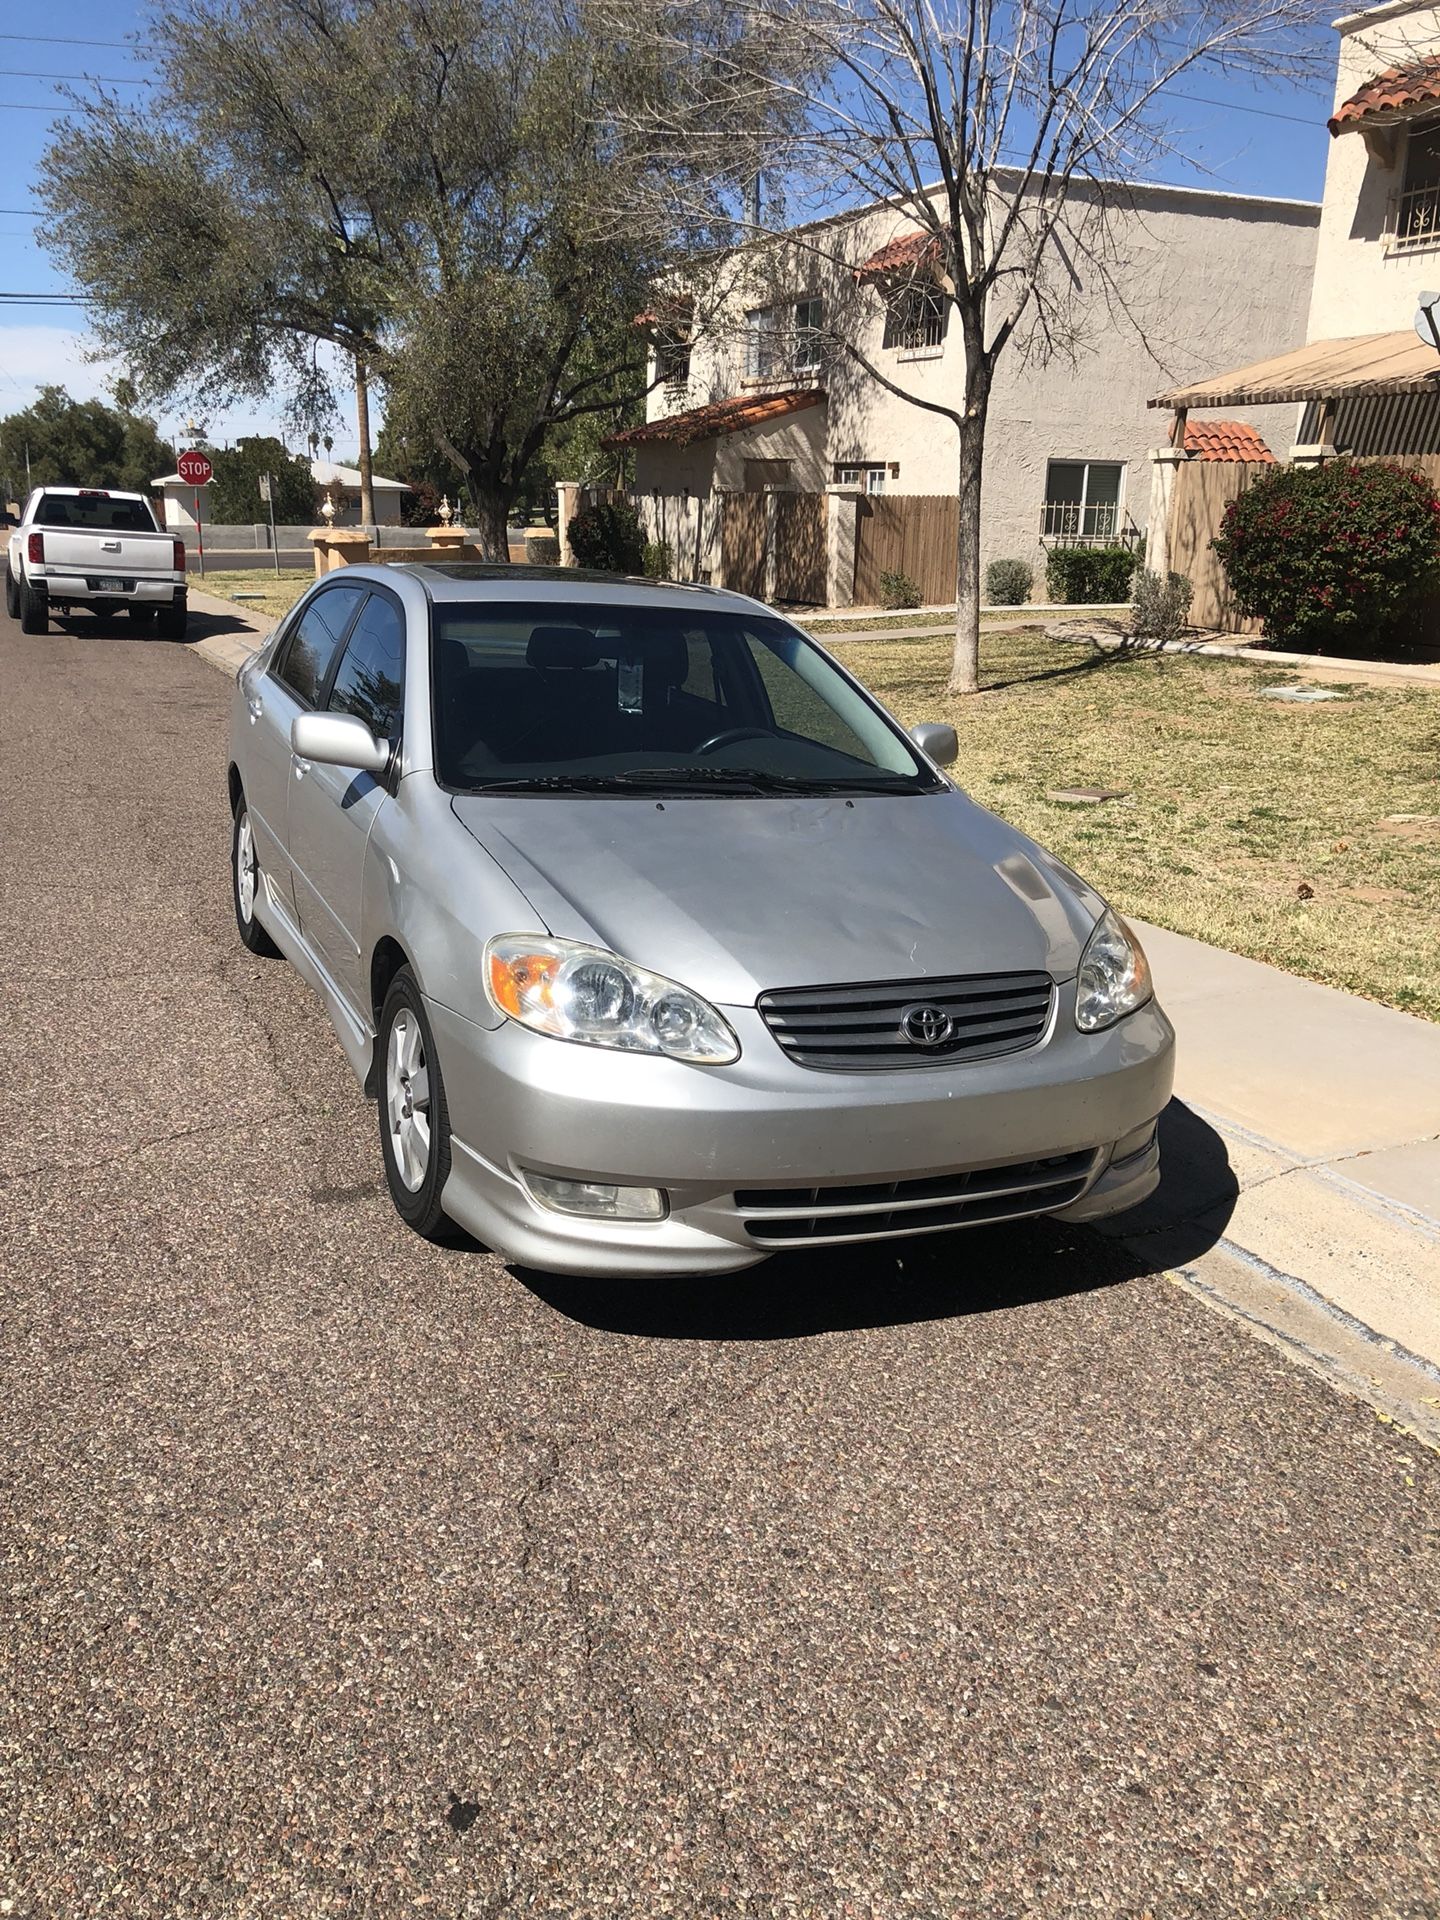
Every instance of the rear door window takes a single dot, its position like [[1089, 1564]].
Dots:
[[94, 511], [304, 660], [370, 679]]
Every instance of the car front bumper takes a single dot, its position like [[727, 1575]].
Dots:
[[757, 1156]]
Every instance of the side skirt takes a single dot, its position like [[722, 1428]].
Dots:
[[357, 1037]]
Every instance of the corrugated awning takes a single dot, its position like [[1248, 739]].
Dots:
[[721, 416], [1325, 370]]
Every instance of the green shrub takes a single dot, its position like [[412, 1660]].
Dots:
[[1161, 605], [898, 590], [1090, 576], [657, 560], [542, 547], [608, 537], [1008, 582], [1334, 552]]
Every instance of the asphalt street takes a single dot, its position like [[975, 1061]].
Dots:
[[991, 1575]]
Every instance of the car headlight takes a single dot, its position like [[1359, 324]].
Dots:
[[1114, 977], [576, 992]]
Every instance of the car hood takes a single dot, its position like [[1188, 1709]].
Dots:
[[736, 895]]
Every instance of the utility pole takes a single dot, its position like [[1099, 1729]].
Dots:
[[362, 421]]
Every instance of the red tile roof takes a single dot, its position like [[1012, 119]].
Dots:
[[1226, 440], [721, 416], [1397, 91], [902, 255]]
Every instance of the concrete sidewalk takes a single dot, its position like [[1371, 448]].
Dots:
[[1302, 1167]]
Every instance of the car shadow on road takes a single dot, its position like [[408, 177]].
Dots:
[[930, 1276]]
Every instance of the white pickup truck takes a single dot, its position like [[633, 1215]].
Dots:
[[85, 547]]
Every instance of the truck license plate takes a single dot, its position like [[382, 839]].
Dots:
[[108, 583]]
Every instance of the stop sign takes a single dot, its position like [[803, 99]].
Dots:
[[194, 468]]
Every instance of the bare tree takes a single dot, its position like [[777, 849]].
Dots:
[[1005, 132]]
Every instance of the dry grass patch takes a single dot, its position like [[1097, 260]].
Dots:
[[1235, 805], [278, 591]]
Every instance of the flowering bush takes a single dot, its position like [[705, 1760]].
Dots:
[[1334, 552]]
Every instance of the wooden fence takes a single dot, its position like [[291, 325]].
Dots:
[[800, 530], [914, 534], [1203, 490]]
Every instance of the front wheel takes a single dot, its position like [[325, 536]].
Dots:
[[414, 1120], [34, 609], [245, 883]]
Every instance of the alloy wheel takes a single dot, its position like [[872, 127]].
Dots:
[[407, 1099]]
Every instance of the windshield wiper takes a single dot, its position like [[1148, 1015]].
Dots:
[[549, 783]]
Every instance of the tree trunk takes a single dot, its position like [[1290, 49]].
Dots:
[[965, 667], [362, 422], [492, 513]]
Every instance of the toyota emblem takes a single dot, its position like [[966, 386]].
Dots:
[[926, 1026]]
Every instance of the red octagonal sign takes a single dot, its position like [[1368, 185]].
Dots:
[[194, 468]]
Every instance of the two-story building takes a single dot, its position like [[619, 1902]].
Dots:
[[1367, 378], [807, 362]]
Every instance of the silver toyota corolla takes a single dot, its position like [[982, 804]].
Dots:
[[660, 944]]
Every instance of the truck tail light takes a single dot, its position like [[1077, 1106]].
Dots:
[[179, 556], [35, 549]]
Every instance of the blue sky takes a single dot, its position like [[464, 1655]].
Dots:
[[1243, 139]]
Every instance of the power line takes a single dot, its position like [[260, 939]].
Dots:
[[101, 80], [59, 40], [1234, 106], [31, 106]]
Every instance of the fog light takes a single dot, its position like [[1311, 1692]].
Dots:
[[1133, 1143], [597, 1200]]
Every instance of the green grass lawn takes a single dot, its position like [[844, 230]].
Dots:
[[1277, 831], [280, 590]]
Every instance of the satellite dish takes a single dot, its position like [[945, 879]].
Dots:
[[1427, 320]]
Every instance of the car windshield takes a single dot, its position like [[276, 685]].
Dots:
[[94, 510], [649, 698]]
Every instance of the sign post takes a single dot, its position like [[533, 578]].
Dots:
[[267, 494], [195, 469]]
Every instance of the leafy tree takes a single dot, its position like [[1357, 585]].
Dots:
[[80, 443], [235, 490], [442, 192], [1339, 553]]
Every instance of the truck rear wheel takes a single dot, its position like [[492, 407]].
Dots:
[[34, 609], [172, 619]]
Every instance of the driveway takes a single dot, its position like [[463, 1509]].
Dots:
[[347, 1575]]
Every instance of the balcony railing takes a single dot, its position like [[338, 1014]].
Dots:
[[1413, 220]]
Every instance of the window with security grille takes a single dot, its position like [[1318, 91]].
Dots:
[[915, 317], [1082, 500]]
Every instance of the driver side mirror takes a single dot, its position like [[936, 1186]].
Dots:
[[338, 740], [936, 740]]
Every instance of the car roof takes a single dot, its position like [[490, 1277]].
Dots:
[[450, 581]]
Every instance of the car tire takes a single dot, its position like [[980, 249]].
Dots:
[[245, 884], [12, 597], [172, 620], [34, 609], [416, 1156]]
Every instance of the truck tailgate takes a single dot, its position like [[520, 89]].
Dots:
[[131, 555]]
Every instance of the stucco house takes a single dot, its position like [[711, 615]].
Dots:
[[1363, 379], [179, 499], [750, 392]]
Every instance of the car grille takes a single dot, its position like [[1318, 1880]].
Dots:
[[780, 1216], [859, 1027]]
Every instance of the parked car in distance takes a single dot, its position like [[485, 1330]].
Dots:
[[661, 945], [93, 548]]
